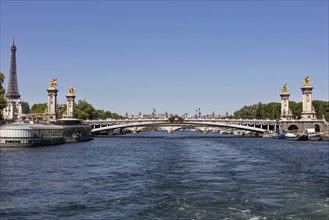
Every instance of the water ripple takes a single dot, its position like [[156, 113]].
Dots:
[[167, 177]]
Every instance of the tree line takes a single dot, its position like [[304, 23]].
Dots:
[[273, 110]]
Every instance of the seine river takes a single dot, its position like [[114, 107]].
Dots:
[[160, 176]]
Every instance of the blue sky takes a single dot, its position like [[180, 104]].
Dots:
[[174, 56]]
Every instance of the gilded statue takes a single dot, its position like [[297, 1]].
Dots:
[[306, 81], [71, 91], [53, 83], [284, 89]]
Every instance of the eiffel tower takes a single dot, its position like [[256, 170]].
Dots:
[[12, 91]]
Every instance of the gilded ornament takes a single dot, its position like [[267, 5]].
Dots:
[[306, 81], [53, 83], [71, 91], [284, 89]]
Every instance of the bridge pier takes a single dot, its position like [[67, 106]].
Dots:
[[301, 125], [135, 130], [170, 129]]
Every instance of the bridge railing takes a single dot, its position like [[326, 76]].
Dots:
[[186, 119]]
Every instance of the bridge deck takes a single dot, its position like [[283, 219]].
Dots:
[[259, 126]]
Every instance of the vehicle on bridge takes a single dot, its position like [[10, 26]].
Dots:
[[176, 119]]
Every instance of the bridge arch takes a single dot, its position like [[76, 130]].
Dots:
[[166, 123], [317, 128], [293, 128]]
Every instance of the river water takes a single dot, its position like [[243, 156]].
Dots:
[[159, 176]]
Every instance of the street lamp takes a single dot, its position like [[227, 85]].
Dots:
[[153, 113]]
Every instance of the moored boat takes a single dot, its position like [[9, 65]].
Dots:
[[314, 137], [302, 137], [75, 130], [279, 136], [291, 135]]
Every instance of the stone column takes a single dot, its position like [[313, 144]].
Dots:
[[52, 103], [285, 111], [70, 106], [308, 110]]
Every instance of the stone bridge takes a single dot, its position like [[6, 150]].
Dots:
[[203, 125]]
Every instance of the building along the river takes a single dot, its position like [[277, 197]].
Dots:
[[30, 134]]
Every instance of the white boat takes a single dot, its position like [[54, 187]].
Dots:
[[291, 135], [314, 137]]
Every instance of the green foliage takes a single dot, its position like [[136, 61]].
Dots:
[[296, 109], [38, 108], [87, 110], [259, 111], [321, 109], [78, 113], [84, 110], [273, 110], [3, 102], [62, 111]]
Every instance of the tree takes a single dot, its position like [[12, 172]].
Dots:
[[84, 110], [321, 109], [259, 111], [296, 109], [273, 110], [62, 111], [38, 108], [78, 113], [3, 102], [89, 112]]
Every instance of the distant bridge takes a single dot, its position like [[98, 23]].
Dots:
[[203, 125]]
